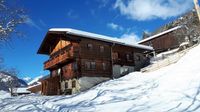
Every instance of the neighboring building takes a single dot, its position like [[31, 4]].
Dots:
[[20, 91], [166, 40], [35, 88], [79, 60], [181, 31]]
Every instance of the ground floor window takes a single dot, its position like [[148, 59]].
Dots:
[[73, 84], [66, 85]]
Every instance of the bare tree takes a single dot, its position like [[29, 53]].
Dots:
[[12, 81], [10, 18]]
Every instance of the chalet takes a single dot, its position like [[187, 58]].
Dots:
[[166, 40], [79, 60]]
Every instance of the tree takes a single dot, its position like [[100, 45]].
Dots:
[[10, 18], [10, 75]]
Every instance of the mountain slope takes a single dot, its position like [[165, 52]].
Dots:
[[5, 79], [175, 88]]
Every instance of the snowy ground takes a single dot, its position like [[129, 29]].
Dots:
[[175, 88]]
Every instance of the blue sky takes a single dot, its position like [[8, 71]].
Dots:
[[117, 18]]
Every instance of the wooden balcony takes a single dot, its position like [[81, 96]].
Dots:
[[59, 57]]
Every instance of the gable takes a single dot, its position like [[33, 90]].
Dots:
[[61, 44]]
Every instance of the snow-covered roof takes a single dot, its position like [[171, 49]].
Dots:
[[35, 80], [159, 34], [98, 37], [22, 90], [39, 83]]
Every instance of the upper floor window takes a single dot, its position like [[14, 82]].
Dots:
[[90, 65], [93, 65], [150, 44], [75, 66], [89, 46], [104, 66], [102, 49], [87, 65], [128, 57], [115, 55], [137, 58]]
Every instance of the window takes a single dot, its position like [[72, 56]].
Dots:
[[89, 46], [53, 72], [73, 84], [150, 44], [128, 57], [101, 48], [93, 65], [138, 58], [104, 66], [115, 55], [75, 66], [90, 65], [87, 65], [66, 85]]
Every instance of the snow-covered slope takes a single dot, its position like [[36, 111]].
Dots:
[[175, 88], [35, 81]]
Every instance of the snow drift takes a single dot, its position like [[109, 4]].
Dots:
[[175, 88]]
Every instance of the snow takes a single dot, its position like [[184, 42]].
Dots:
[[163, 55], [159, 34], [35, 80], [22, 90], [4, 77], [88, 82], [4, 94], [174, 88], [39, 83], [99, 37], [27, 79], [184, 44]]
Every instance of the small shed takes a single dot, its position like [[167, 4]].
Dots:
[[20, 91]]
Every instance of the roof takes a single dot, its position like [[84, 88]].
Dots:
[[98, 37], [21, 90], [32, 86], [104, 38], [159, 34]]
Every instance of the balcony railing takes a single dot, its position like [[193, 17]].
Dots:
[[59, 57]]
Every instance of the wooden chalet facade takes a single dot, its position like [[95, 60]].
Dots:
[[76, 57], [166, 40]]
